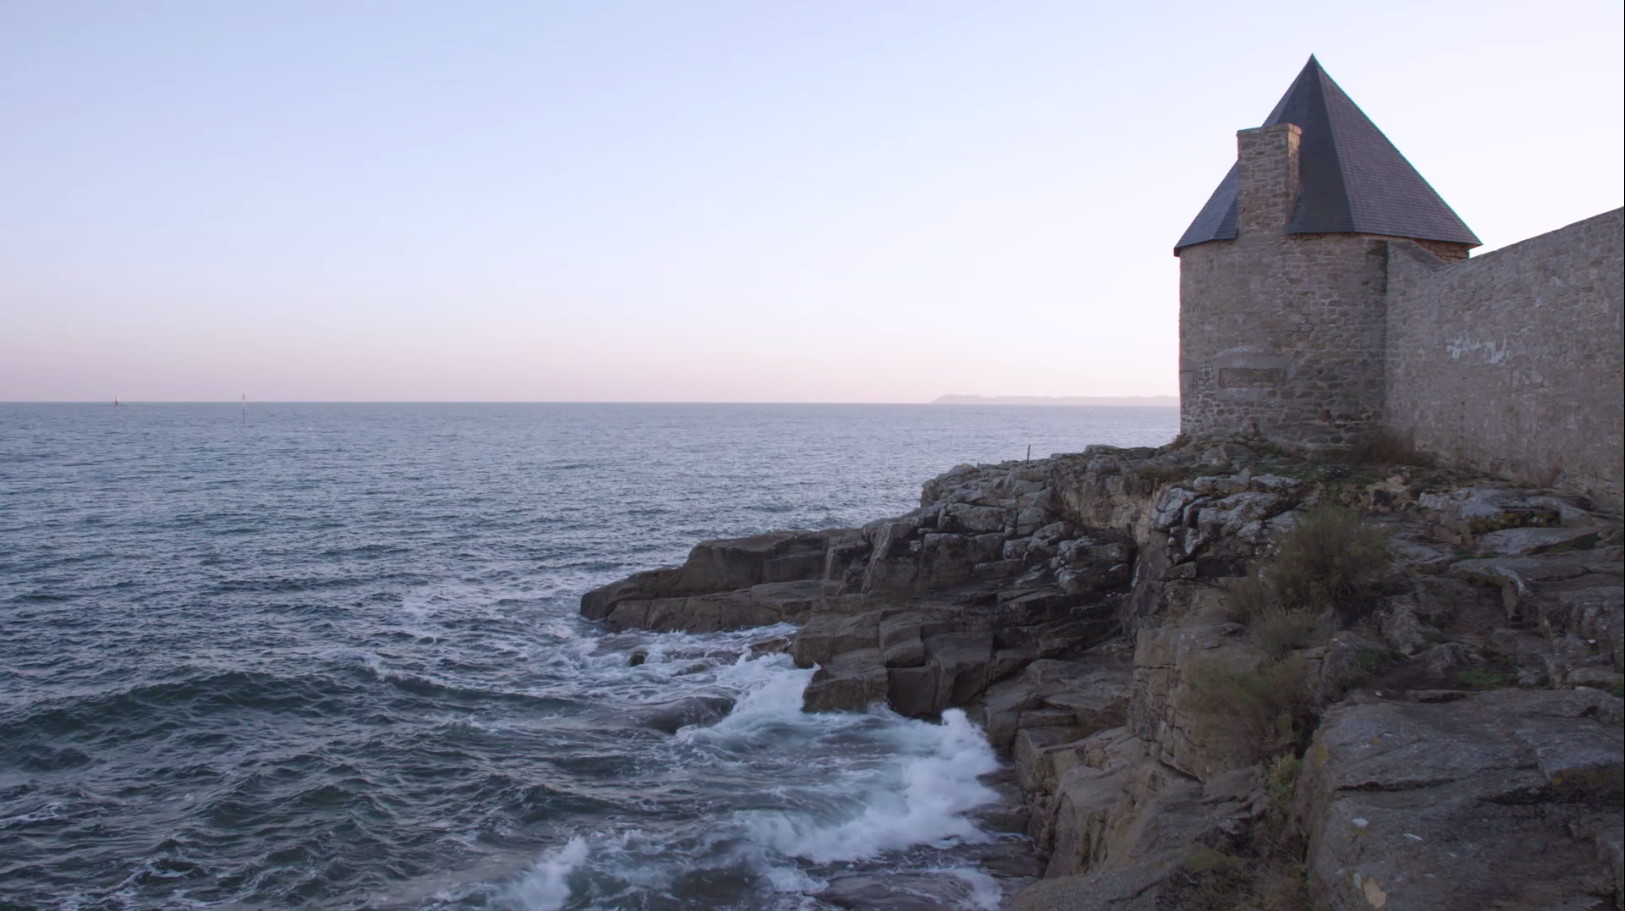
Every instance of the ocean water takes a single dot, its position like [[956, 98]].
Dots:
[[329, 656]]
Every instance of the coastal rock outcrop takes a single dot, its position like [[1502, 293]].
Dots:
[[1195, 708]]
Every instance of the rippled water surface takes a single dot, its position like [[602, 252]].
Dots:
[[329, 656]]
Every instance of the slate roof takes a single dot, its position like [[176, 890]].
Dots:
[[1351, 178]]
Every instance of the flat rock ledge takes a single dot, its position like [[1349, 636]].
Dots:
[[1464, 748]]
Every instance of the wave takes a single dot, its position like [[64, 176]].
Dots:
[[154, 708], [866, 789], [546, 887], [923, 800]]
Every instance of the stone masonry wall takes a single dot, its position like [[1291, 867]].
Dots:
[[1510, 362], [1282, 333]]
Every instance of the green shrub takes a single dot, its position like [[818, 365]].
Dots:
[[1484, 678], [1329, 558], [1248, 598], [1280, 631], [1281, 778], [1167, 471], [1280, 885], [1255, 713], [1200, 858]]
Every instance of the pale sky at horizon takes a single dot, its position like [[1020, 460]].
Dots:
[[752, 201]]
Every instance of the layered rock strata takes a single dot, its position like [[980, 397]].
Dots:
[[1469, 706]]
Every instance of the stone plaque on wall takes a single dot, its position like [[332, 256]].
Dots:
[[1250, 377]]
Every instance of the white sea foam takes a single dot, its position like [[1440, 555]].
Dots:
[[922, 799], [546, 887], [985, 894], [49, 812], [883, 783]]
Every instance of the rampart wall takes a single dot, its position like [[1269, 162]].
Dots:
[[1510, 362]]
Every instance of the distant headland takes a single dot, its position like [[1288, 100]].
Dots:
[[1142, 401]]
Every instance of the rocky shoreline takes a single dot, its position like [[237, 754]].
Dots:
[[1190, 724]]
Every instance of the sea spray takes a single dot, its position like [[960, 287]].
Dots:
[[922, 798], [819, 789], [546, 887]]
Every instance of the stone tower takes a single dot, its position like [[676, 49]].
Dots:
[[1282, 276]]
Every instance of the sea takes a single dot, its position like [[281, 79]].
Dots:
[[330, 656]]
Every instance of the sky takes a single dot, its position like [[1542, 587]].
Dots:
[[773, 200]]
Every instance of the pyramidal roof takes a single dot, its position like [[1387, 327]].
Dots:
[[1351, 178]]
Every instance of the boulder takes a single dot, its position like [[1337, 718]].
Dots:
[[1029, 607], [654, 583], [733, 563], [850, 682], [1464, 513], [1595, 613], [1090, 693], [945, 561], [680, 713], [716, 567], [1404, 631], [827, 635], [996, 570], [1103, 705], [1170, 508], [1015, 549], [845, 560], [899, 892], [761, 605], [915, 692], [961, 517], [1418, 556], [1467, 804], [965, 660], [1033, 746], [1003, 706], [901, 642], [1529, 541]]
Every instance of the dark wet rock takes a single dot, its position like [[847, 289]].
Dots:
[[680, 713], [721, 566], [908, 892], [761, 605], [597, 604], [945, 561], [780, 556], [773, 646], [964, 660], [850, 682], [828, 635]]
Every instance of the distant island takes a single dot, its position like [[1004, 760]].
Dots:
[[1143, 401]]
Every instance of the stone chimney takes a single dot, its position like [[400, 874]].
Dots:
[[1266, 178]]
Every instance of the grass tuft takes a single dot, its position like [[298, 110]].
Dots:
[[1253, 713]]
